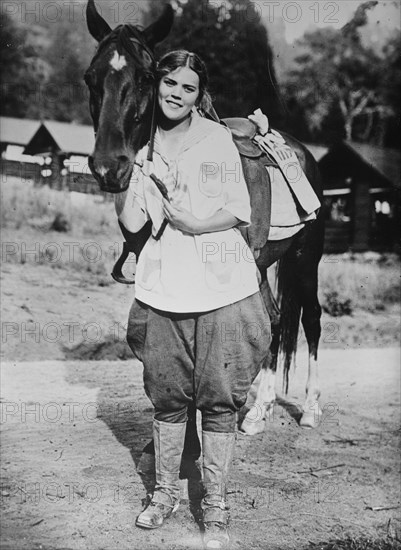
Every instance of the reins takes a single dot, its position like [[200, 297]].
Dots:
[[126, 41], [152, 129]]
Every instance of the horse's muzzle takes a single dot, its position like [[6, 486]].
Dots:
[[112, 175]]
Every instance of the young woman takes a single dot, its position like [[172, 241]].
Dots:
[[198, 322]]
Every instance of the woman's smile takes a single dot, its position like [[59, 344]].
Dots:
[[173, 104]]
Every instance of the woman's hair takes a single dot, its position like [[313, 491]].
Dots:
[[182, 58]]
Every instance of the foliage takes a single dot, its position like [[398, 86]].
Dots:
[[42, 70], [22, 67], [66, 97], [230, 38], [339, 86], [350, 283], [336, 306], [233, 42], [344, 85]]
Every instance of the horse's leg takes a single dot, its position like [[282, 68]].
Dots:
[[311, 412], [262, 394], [259, 409], [306, 260]]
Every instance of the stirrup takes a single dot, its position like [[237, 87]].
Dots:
[[155, 513], [215, 522]]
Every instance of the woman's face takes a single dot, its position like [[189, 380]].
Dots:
[[178, 92]]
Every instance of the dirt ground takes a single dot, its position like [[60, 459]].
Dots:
[[73, 431]]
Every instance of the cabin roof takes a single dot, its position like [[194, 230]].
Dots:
[[64, 137], [385, 161], [17, 131], [72, 138], [348, 158]]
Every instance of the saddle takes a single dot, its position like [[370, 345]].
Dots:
[[254, 162]]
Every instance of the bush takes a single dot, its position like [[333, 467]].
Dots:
[[336, 306], [361, 282]]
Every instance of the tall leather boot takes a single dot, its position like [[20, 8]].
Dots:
[[191, 466], [218, 451], [169, 442]]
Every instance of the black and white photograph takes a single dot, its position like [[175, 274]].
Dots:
[[200, 274]]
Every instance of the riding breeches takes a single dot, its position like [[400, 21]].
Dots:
[[210, 357]]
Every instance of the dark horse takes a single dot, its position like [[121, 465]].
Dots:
[[121, 83]]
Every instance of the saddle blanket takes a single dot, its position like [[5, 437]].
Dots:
[[286, 216], [293, 199]]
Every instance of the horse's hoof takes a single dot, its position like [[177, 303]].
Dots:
[[310, 419], [250, 427]]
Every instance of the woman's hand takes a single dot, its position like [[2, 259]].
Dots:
[[180, 218], [261, 121]]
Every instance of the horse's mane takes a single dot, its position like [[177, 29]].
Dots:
[[128, 38]]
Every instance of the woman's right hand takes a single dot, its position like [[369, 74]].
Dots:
[[180, 218]]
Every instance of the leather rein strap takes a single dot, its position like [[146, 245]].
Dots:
[[126, 41], [152, 129]]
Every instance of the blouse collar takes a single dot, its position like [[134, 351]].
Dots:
[[198, 130]]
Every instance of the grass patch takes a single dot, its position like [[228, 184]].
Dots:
[[91, 245], [25, 206], [359, 282]]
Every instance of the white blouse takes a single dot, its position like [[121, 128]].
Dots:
[[183, 272]]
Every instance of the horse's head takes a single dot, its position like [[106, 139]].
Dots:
[[121, 85]]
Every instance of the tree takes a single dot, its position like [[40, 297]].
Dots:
[[233, 42], [22, 68], [337, 73], [65, 95], [47, 60], [390, 86]]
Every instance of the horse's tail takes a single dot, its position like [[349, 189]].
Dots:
[[290, 312]]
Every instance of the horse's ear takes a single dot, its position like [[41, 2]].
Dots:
[[96, 24], [157, 31]]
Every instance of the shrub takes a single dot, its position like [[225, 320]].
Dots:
[[336, 306]]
